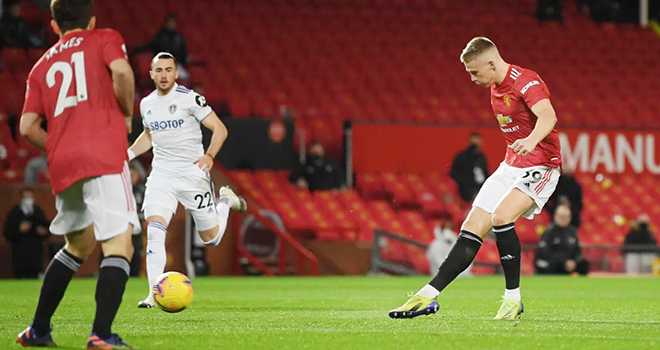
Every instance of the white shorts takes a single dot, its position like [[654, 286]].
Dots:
[[106, 201], [194, 192], [538, 182]]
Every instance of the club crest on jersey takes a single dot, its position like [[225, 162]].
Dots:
[[503, 119], [507, 100], [172, 109]]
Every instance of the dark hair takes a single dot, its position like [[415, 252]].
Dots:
[[26, 189], [169, 17], [475, 134], [72, 14]]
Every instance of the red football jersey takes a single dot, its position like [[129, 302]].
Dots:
[[71, 85], [512, 101]]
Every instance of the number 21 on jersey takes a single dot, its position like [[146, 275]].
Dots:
[[68, 74]]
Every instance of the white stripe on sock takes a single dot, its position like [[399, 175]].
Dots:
[[67, 261]]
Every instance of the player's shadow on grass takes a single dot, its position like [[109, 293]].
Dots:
[[281, 308], [598, 322]]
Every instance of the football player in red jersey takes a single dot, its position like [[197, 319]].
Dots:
[[519, 187], [83, 86]]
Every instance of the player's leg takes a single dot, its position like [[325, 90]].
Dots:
[[227, 200], [73, 221], [156, 252], [113, 275], [79, 245], [159, 206], [197, 195], [461, 255], [475, 227], [512, 206], [111, 204], [530, 191]]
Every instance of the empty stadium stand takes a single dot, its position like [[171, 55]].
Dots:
[[389, 61]]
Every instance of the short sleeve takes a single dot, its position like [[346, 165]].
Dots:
[[532, 89], [113, 47], [198, 107], [33, 98], [144, 121]]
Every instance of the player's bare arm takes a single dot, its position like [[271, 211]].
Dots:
[[213, 123], [31, 130], [547, 119], [141, 145], [124, 84]]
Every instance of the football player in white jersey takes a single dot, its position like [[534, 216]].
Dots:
[[171, 115]]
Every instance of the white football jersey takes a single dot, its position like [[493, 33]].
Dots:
[[176, 136]]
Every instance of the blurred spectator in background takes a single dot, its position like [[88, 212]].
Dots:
[[438, 250], [26, 227], [318, 173], [285, 111], [640, 247], [43, 5], [654, 10], [470, 169], [568, 192], [620, 11], [558, 251], [7, 151], [549, 10], [14, 30], [138, 175], [34, 167], [167, 39]]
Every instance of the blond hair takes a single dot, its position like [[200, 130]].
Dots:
[[475, 48]]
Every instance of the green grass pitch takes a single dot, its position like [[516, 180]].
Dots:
[[351, 313]]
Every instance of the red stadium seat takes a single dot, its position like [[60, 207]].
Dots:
[[344, 60], [15, 58]]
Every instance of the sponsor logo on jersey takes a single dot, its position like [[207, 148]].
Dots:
[[165, 124], [504, 119], [529, 85], [515, 128], [172, 109], [507, 100]]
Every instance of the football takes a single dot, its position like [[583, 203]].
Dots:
[[173, 292]]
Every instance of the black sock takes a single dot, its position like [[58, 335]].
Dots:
[[109, 291], [58, 275], [459, 258], [508, 246]]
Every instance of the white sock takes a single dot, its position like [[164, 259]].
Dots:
[[156, 255], [223, 214], [428, 291], [512, 294]]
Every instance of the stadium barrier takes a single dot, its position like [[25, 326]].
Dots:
[[639, 259], [306, 263], [382, 264]]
